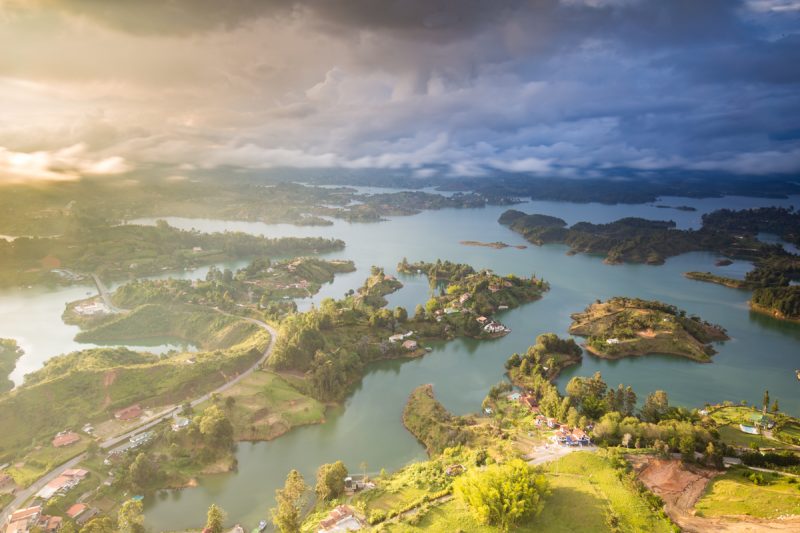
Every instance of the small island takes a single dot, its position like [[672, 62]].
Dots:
[[497, 245], [623, 327]]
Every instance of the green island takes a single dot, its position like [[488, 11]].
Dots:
[[623, 327], [128, 251], [9, 353], [330, 346]]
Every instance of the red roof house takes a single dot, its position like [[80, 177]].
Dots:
[[65, 439], [129, 413]]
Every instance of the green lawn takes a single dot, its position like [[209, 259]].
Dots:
[[736, 437], [790, 432], [267, 406], [584, 490], [733, 494]]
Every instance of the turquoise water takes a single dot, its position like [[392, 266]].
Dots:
[[762, 352]]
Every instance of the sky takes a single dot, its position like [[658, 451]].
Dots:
[[552, 88]]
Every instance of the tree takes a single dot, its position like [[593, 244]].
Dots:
[[142, 471], [216, 428], [99, 525], [330, 480], [525, 367], [290, 501], [503, 495], [130, 518], [215, 518], [400, 314], [656, 407], [419, 312], [775, 406], [766, 400]]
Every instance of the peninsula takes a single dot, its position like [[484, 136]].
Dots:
[[622, 327]]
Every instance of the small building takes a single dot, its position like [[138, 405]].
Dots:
[[482, 320], [494, 327], [410, 345], [341, 519], [129, 413], [761, 420], [612, 340], [464, 297], [50, 524], [179, 423], [23, 520], [514, 397], [65, 438], [454, 470], [77, 510], [540, 420], [552, 422]]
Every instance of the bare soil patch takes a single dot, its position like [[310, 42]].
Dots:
[[680, 486]]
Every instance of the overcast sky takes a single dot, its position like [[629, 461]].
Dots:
[[573, 88]]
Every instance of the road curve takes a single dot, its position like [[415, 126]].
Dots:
[[25, 494]]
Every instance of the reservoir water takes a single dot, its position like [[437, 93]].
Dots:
[[761, 354]]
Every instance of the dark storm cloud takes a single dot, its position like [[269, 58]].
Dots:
[[545, 87]]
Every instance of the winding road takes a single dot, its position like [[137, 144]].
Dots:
[[112, 443]]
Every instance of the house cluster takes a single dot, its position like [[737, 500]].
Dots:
[[408, 344], [341, 519], [302, 284], [94, 308], [65, 438], [492, 326], [63, 483], [564, 435], [25, 520], [526, 400], [758, 422]]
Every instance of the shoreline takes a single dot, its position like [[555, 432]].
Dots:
[[777, 315], [639, 353]]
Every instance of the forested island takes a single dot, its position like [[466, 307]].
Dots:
[[119, 252], [634, 240], [622, 327]]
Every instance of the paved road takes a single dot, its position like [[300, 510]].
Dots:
[[24, 495]]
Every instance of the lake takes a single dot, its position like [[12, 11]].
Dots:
[[762, 352]]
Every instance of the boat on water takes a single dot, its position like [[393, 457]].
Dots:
[[262, 526]]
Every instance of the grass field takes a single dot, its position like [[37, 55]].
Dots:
[[733, 494], [42, 460], [790, 432], [267, 406], [734, 436], [585, 492]]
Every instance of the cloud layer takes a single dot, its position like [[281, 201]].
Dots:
[[573, 88]]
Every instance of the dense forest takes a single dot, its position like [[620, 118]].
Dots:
[[785, 301]]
